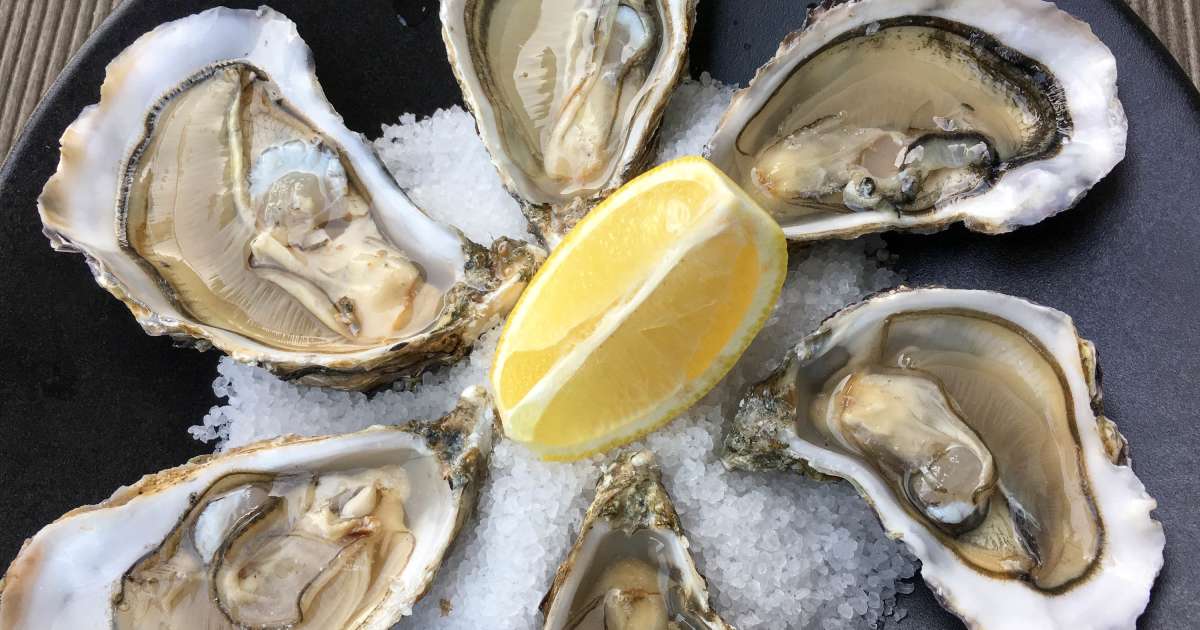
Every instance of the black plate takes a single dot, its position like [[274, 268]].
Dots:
[[88, 402]]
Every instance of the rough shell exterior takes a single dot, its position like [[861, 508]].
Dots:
[[630, 497]]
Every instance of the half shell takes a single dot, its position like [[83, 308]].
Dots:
[[916, 114], [630, 568], [567, 94], [215, 191], [345, 531], [972, 423]]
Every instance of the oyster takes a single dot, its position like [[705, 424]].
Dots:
[[217, 193], [344, 531], [912, 114], [567, 95], [630, 568], [972, 422]]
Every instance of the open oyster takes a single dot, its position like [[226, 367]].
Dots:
[[912, 114], [217, 193], [345, 531], [567, 94], [972, 422], [630, 569]]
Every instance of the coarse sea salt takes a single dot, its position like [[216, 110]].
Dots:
[[779, 550]]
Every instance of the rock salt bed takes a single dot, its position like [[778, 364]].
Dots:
[[780, 551], [442, 165]]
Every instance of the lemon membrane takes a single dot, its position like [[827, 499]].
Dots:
[[639, 312]]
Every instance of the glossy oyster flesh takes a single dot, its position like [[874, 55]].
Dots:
[[972, 422], [567, 94], [345, 531], [217, 193], [630, 568], [911, 114]]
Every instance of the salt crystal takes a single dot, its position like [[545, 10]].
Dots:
[[779, 550]]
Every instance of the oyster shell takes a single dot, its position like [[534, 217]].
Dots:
[[913, 115], [630, 568], [344, 531], [972, 422], [567, 95], [216, 192]]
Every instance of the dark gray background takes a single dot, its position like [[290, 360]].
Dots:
[[88, 402]]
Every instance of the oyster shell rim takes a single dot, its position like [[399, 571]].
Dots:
[[488, 280], [460, 441], [760, 438], [550, 220], [630, 497], [1089, 146]]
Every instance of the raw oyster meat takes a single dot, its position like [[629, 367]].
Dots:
[[972, 422], [215, 191], [345, 531], [567, 94], [630, 568], [916, 114]]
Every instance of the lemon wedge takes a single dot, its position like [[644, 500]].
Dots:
[[641, 309]]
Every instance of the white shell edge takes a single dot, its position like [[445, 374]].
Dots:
[[97, 145], [1117, 591], [1084, 66]]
